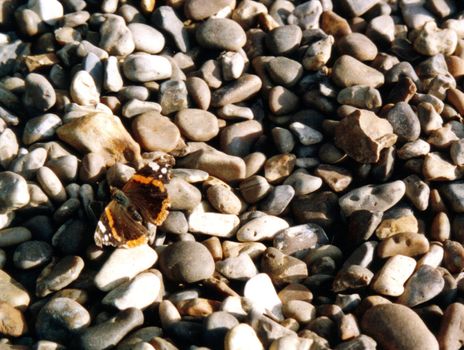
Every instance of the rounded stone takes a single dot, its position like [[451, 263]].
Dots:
[[224, 199], [51, 184], [14, 235], [115, 269], [32, 254], [425, 284], [395, 326], [348, 71], [107, 334], [202, 9], [39, 93], [237, 268], [13, 323], [221, 34], [216, 326], [238, 138], [60, 318], [144, 67], [155, 132], [358, 46], [182, 195], [146, 38], [261, 228], [197, 124], [186, 262], [83, 89], [284, 39], [284, 71], [140, 292], [58, 275], [242, 336], [40, 128]]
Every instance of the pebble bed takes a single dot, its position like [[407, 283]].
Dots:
[[317, 197]]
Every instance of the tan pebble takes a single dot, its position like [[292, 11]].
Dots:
[[390, 279], [441, 227], [198, 307], [295, 291], [405, 243], [278, 167], [391, 226]]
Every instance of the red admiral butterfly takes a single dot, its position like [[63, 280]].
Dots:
[[143, 200]]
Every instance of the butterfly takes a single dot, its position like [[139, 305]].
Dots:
[[142, 201]]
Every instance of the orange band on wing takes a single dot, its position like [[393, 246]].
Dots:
[[109, 216], [163, 212], [136, 242], [148, 180]]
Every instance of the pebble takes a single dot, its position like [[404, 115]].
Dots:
[[216, 163], [450, 334], [425, 284], [182, 195], [363, 135], [142, 67], [348, 71], [51, 184], [146, 38], [393, 274], [278, 199], [83, 89], [305, 134], [116, 271], [39, 93], [221, 34], [9, 147], [360, 96], [109, 333], [404, 243], [282, 100], [112, 80], [60, 318], [237, 268], [186, 262], [242, 336], [284, 71], [279, 167], [284, 39], [224, 200], [58, 274], [115, 37], [263, 296], [40, 128], [213, 224], [155, 132], [237, 91], [14, 235], [114, 146], [282, 268], [261, 228], [140, 292], [357, 45], [404, 121], [49, 12], [32, 254], [166, 19], [13, 321], [376, 198], [197, 124], [397, 326], [237, 139]]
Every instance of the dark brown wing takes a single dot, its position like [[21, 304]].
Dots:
[[118, 228], [149, 197]]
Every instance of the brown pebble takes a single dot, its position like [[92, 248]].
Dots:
[[395, 326], [440, 229], [405, 243], [451, 335]]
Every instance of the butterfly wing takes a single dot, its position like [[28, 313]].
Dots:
[[118, 228]]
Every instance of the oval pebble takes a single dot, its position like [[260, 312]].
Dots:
[[186, 262]]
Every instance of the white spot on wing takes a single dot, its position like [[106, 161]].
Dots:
[[154, 166], [101, 227]]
